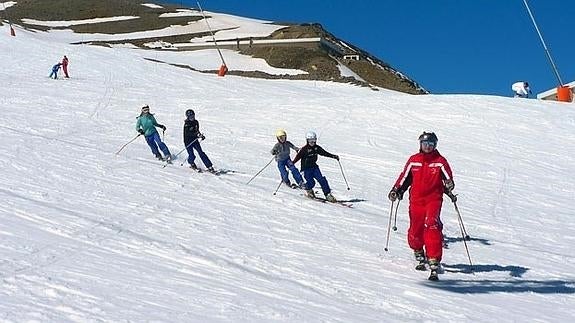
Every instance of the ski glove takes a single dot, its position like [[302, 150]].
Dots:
[[201, 136], [449, 185], [394, 194], [336, 157], [141, 131], [162, 126]]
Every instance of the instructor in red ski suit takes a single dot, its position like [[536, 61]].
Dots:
[[429, 176]]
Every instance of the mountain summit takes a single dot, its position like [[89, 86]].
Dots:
[[310, 51]]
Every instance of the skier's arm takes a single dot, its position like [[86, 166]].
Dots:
[[299, 155], [274, 150], [197, 129], [292, 146], [447, 176], [404, 180], [322, 152]]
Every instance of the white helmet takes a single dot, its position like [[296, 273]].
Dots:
[[310, 135]]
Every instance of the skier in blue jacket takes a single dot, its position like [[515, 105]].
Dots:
[[146, 125], [55, 70]]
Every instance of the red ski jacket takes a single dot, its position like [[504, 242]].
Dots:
[[425, 174]]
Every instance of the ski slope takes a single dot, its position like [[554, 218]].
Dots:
[[90, 236]]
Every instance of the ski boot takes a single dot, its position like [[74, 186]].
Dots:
[[211, 170], [301, 185], [159, 156], [434, 267], [330, 198], [420, 258], [194, 167], [310, 194]]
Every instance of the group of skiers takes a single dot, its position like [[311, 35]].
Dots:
[[427, 175], [308, 155], [146, 125], [64, 65]]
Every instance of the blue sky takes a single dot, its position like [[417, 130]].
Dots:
[[448, 46]]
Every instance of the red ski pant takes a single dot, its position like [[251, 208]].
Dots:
[[425, 228]]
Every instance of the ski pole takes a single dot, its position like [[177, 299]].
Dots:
[[181, 151], [461, 227], [129, 142], [278, 188], [342, 174], [453, 198], [261, 170], [389, 226], [395, 216]]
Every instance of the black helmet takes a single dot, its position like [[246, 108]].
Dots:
[[429, 137], [190, 112]]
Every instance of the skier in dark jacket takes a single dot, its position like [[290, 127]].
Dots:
[[311, 172], [146, 125], [192, 137]]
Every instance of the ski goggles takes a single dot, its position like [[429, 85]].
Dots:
[[427, 143], [146, 109]]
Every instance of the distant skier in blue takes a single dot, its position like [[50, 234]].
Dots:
[[146, 125], [55, 70]]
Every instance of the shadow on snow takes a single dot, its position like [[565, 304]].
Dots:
[[514, 271], [513, 285], [505, 286], [449, 240]]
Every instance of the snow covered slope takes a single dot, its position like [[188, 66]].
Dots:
[[89, 236]]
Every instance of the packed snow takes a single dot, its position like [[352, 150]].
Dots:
[[67, 23], [88, 235], [7, 4]]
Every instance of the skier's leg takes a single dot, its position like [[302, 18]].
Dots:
[[322, 182], [416, 226], [207, 162], [152, 143], [191, 156], [432, 232], [294, 172], [309, 181], [160, 144], [283, 171]]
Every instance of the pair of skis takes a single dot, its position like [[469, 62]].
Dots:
[[337, 202]]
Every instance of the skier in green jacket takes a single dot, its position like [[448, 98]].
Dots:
[[146, 125]]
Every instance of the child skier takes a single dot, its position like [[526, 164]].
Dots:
[[281, 151], [55, 70], [308, 155], [146, 125], [192, 137]]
